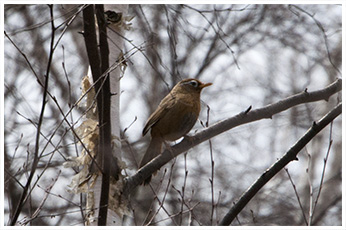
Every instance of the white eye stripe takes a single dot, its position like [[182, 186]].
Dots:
[[194, 83]]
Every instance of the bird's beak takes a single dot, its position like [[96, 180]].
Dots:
[[205, 85]]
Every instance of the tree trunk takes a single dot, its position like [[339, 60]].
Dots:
[[104, 193]]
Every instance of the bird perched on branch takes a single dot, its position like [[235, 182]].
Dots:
[[175, 116]]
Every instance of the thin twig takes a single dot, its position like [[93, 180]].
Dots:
[[297, 195], [212, 182], [217, 33], [289, 156], [323, 170], [183, 189], [189, 210], [67, 24], [164, 198], [216, 208], [227, 124], [25, 57], [37, 142], [55, 100], [187, 205], [310, 187], [155, 196], [43, 201], [320, 27], [42, 24]]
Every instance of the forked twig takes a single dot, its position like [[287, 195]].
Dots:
[[323, 173], [248, 116], [297, 195], [280, 164], [37, 142]]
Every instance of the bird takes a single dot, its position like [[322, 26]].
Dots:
[[174, 117]]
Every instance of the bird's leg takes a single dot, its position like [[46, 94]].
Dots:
[[189, 139], [168, 147]]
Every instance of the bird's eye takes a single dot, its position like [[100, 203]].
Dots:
[[193, 83]]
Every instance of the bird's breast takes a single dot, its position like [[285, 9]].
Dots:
[[179, 120]]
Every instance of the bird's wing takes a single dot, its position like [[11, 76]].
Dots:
[[164, 106]]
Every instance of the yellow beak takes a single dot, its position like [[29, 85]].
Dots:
[[205, 85]]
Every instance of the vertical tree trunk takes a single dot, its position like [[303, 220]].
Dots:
[[116, 44], [104, 192]]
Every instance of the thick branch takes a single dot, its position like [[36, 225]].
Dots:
[[280, 164], [227, 124], [104, 119], [91, 43]]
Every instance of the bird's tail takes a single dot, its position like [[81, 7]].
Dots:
[[154, 149]]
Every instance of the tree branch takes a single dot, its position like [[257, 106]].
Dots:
[[227, 124], [280, 164], [89, 34], [104, 119], [47, 190], [36, 158]]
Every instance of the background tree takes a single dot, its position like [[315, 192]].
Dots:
[[254, 55]]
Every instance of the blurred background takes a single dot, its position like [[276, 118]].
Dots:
[[253, 54]]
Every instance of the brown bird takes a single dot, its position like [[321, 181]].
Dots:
[[175, 116]]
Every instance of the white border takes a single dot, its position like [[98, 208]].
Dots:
[[2, 129], [173, 2], [2, 221], [343, 115]]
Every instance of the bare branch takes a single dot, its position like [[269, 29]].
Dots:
[[323, 171], [297, 195], [227, 124], [43, 201], [291, 155], [320, 26], [37, 142]]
